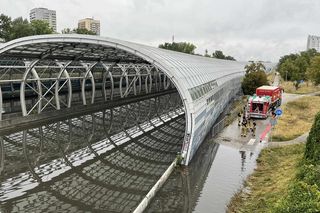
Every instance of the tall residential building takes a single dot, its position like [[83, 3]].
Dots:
[[313, 43], [90, 24], [45, 15]]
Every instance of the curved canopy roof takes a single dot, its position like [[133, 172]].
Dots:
[[185, 70]]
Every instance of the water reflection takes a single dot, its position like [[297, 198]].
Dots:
[[106, 161], [216, 172], [181, 192]]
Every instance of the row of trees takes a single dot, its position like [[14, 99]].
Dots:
[[189, 48], [16, 28], [300, 67], [78, 31], [184, 47], [219, 55], [19, 27]]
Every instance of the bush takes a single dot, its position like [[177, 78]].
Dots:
[[301, 197], [312, 152], [309, 173]]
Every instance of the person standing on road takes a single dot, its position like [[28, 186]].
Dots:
[[244, 128], [250, 124], [254, 126]]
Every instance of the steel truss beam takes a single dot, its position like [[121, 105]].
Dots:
[[46, 80]]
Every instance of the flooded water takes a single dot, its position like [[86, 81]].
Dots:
[[107, 161], [102, 162], [217, 171]]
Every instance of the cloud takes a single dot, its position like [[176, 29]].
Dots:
[[245, 29]]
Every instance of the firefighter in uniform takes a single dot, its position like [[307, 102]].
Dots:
[[254, 127], [239, 119], [244, 127]]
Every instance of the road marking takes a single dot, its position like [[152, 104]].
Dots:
[[251, 141]]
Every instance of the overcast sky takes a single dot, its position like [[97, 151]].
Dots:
[[245, 29]]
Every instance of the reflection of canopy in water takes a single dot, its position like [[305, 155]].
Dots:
[[101, 173]]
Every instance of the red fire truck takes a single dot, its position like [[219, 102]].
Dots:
[[265, 99]]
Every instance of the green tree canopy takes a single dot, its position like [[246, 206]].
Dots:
[[313, 71], [78, 31], [84, 31], [5, 25], [293, 67], [219, 55], [184, 47], [312, 152], [19, 27], [40, 27], [255, 77], [254, 67], [253, 80]]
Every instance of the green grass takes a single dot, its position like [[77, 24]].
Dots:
[[304, 88], [276, 169], [297, 118]]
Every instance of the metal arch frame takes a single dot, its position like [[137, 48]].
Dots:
[[88, 74], [107, 74], [132, 84], [64, 72], [23, 84]]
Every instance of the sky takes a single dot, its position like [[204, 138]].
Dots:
[[245, 29]]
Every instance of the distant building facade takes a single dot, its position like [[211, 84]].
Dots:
[[45, 15], [313, 43], [90, 24]]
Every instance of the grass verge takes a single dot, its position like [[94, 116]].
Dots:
[[304, 88], [276, 169], [297, 118]]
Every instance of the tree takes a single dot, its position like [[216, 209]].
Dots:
[[313, 71], [219, 55], [20, 28], [312, 151], [5, 26], [230, 58], [253, 80], [184, 47], [206, 53], [293, 67], [255, 77], [254, 67], [40, 27], [67, 31], [84, 31]]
